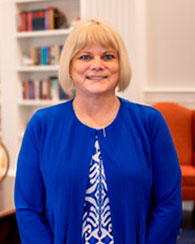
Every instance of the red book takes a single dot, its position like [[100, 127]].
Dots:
[[30, 17], [45, 89], [26, 90], [22, 21]]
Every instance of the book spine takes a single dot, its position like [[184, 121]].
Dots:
[[41, 16], [46, 19], [40, 89], [45, 90], [51, 18], [33, 55], [30, 89], [57, 54], [26, 91], [48, 55], [52, 55], [38, 55], [23, 89], [54, 87], [36, 89], [44, 56], [29, 22], [22, 21], [19, 20], [34, 20]]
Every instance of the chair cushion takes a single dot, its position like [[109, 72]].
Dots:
[[188, 175], [180, 122]]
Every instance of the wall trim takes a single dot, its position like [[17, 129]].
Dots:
[[183, 96]]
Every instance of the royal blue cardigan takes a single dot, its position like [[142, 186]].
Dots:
[[141, 166]]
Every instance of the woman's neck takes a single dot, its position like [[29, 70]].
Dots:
[[96, 112]]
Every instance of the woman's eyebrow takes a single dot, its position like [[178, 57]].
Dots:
[[84, 52], [110, 51]]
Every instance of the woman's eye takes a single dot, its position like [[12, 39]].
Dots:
[[108, 56], [85, 57]]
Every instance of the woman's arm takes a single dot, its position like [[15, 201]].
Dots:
[[29, 190], [166, 213]]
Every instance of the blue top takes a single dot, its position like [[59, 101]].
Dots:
[[143, 176], [97, 222]]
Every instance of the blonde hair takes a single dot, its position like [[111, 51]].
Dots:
[[84, 34]]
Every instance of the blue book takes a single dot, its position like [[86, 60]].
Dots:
[[44, 56]]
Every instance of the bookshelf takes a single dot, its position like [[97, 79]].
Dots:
[[15, 47], [38, 68], [26, 40], [44, 33]]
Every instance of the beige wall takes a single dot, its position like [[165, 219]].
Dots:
[[171, 43]]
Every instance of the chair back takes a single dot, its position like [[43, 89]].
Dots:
[[181, 123]]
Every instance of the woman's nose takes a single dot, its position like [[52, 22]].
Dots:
[[97, 63]]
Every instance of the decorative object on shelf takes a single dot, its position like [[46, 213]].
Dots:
[[4, 161]]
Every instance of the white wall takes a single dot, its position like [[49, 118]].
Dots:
[[171, 43], [171, 51], [121, 14], [160, 38]]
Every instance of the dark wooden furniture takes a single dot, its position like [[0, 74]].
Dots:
[[8, 226]]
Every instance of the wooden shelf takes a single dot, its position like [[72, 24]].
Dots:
[[43, 33], [38, 68]]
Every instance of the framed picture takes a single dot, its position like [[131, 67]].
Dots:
[[4, 161]]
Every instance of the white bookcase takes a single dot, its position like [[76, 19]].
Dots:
[[27, 39], [0, 104], [15, 111]]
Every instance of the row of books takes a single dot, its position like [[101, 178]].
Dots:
[[41, 19], [46, 55], [48, 89]]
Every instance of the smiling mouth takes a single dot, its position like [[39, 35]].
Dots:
[[96, 77]]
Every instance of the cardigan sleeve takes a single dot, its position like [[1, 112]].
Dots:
[[29, 190], [166, 212]]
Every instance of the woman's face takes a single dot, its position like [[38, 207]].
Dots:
[[95, 70]]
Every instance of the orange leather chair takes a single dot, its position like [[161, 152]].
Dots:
[[181, 123]]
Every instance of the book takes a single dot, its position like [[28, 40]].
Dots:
[[29, 21], [46, 89], [54, 87], [41, 19], [22, 21]]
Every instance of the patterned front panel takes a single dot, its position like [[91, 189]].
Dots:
[[97, 225]]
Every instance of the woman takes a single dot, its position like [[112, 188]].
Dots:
[[97, 168]]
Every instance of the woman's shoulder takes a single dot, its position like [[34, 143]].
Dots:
[[139, 109], [55, 110], [53, 114], [142, 116]]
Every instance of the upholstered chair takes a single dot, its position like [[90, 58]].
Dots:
[[181, 122]]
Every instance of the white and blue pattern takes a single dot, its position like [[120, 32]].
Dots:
[[97, 225]]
